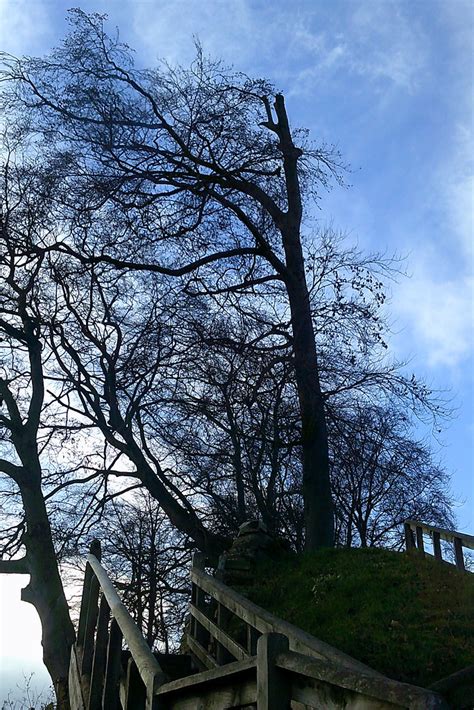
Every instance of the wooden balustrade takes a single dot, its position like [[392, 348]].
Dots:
[[99, 680], [414, 531], [248, 658], [270, 664]]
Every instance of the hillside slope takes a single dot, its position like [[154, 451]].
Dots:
[[410, 618]]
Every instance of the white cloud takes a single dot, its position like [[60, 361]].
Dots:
[[25, 26], [387, 45], [438, 314], [227, 30], [439, 306]]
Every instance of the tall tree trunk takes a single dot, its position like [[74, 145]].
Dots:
[[318, 505], [45, 592]]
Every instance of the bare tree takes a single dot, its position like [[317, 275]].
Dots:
[[148, 561], [115, 365], [382, 476], [25, 438], [193, 168]]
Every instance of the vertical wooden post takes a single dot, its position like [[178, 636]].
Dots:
[[273, 690], [458, 554], [252, 639], [100, 657], [112, 673], [91, 619], [409, 541], [198, 631], [135, 696], [88, 575], [222, 654], [198, 560], [419, 540], [437, 545]]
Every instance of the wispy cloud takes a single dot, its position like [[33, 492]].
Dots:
[[438, 317], [387, 45], [25, 26], [437, 306]]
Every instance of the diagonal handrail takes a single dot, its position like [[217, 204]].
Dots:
[[104, 623], [147, 665]]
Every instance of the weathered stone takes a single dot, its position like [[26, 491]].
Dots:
[[252, 545], [252, 526]]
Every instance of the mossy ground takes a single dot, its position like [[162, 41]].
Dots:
[[410, 618]]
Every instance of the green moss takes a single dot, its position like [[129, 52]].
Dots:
[[410, 618]]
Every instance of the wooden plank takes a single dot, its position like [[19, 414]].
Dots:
[[88, 575], [100, 657], [419, 540], [243, 695], [381, 688], [458, 554], [221, 636], [308, 693], [135, 691], [447, 535], [76, 698], [198, 560], [205, 658], [112, 672], [231, 673], [273, 688], [265, 622], [409, 541], [252, 638], [222, 654], [200, 632]]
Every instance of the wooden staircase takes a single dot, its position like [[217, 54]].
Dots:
[[239, 656]]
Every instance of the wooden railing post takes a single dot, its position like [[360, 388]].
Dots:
[[223, 615], [88, 576], [458, 554], [273, 689], [198, 631], [91, 620], [458, 539], [409, 539], [112, 671], [437, 546], [100, 656], [252, 639], [419, 540], [135, 696]]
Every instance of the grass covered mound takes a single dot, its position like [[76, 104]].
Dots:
[[409, 618]]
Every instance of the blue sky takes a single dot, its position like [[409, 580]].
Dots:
[[391, 84]]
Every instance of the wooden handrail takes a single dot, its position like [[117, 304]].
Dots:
[[386, 689], [265, 622], [277, 663], [458, 539], [97, 678], [447, 535], [291, 664], [147, 665]]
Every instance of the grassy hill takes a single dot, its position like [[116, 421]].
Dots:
[[410, 618]]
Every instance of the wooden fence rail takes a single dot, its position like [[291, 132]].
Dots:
[[414, 531], [104, 625]]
